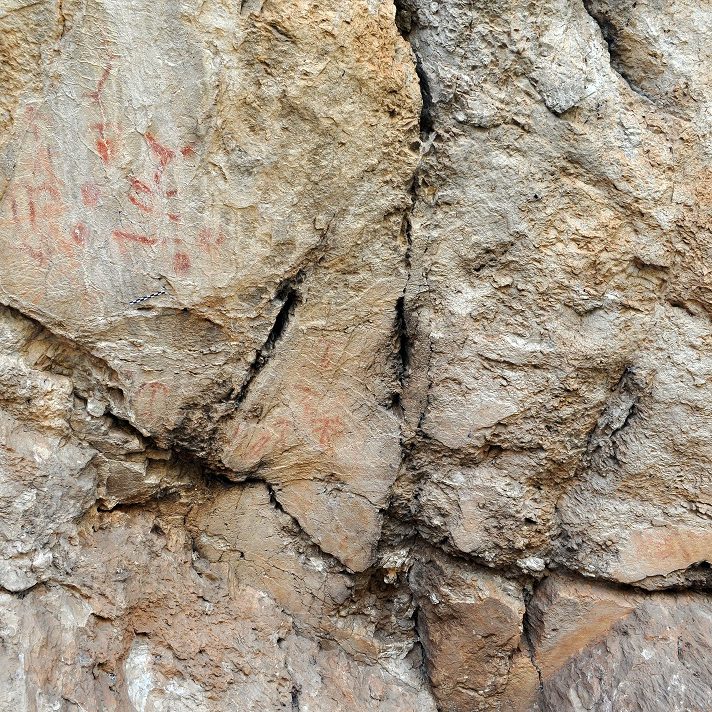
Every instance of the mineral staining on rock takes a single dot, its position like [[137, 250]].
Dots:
[[354, 356]]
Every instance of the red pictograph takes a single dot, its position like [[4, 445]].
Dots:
[[47, 215], [106, 144]]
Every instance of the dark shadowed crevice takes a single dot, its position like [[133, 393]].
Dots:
[[407, 22], [290, 297], [608, 29], [402, 353], [406, 19], [424, 663], [198, 430], [294, 693], [426, 112], [527, 633], [695, 578], [22, 592], [609, 32]]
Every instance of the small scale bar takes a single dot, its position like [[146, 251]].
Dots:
[[147, 297]]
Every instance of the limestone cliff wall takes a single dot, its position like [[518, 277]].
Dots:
[[355, 356]]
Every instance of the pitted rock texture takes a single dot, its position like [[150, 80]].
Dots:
[[355, 356]]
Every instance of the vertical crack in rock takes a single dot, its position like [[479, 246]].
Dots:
[[609, 33], [290, 297], [417, 628], [294, 692], [527, 632], [406, 22], [403, 351], [404, 338]]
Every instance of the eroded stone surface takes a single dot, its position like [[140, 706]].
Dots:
[[601, 648], [355, 356], [549, 236], [147, 165], [471, 628]]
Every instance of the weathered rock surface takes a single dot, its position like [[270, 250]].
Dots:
[[602, 648], [355, 356]]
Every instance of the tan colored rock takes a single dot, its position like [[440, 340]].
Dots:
[[151, 170], [600, 648], [568, 616], [471, 626], [355, 355], [557, 405], [658, 551], [141, 621]]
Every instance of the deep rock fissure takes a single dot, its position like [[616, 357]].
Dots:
[[294, 693], [290, 297], [406, 23], [527, 633], [609, 34], [404, 343]]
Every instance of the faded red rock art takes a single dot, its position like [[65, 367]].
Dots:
[[40, 213]]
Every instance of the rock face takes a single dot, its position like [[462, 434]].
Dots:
[[355, 356]]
